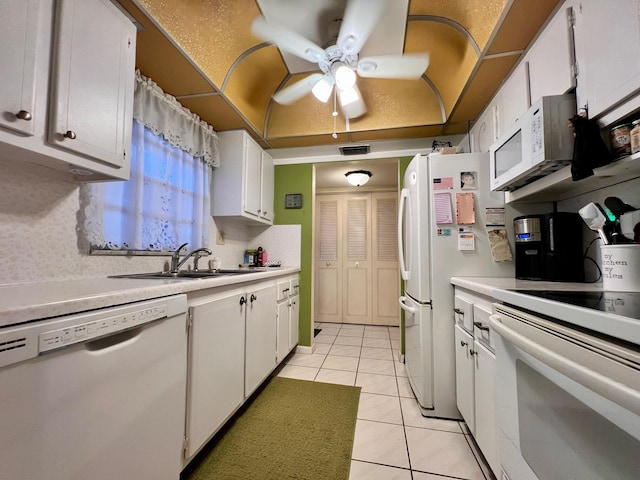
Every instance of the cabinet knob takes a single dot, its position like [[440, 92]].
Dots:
[[24, 115], [463, 343], [327, 264], [70, 134], [472, 352], [242, 300], [252, 298]]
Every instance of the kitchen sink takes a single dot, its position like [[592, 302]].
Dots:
[[186, 275]]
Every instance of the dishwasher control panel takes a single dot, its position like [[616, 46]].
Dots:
[[82, 332]]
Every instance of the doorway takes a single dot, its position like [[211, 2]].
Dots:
[[356, 260]]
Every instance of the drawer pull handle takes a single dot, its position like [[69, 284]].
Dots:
[[480, 326], [458, 311]]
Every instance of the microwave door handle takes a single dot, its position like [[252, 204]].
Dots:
[[404, 195], [617, 392]]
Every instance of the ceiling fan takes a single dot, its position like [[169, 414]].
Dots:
[[340, 62]]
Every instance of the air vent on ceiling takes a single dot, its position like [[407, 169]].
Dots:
[[355, 150]]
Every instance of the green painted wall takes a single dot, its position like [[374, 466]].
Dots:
[[298, 179]]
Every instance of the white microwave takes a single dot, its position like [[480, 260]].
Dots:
[[537, 144]]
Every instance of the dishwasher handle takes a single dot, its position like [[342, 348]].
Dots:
[[617, 392]]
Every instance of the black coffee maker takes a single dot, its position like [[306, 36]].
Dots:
[[549, 247]]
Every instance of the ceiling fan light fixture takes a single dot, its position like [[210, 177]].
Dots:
[[322, 89], [357, 178], [348, 96], [345, 77]]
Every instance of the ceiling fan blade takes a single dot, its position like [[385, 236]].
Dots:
[[394, 66], [360, 16], [287, 40], [351, 102], [296, 91]]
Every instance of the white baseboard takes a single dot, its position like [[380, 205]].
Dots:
[[306, 350]]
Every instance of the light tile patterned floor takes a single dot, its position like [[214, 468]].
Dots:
[[393, 441]]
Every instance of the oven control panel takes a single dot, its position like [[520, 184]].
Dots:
[[81, 332]]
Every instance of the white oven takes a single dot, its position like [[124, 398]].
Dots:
[[568, 400]]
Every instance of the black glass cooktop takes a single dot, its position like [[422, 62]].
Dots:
[[626, 304]]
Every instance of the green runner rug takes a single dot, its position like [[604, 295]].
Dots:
[[293, 429]]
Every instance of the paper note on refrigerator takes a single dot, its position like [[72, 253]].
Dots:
[[499, 243], [444, 183], [466, 239], [465, 208], [442, 207]]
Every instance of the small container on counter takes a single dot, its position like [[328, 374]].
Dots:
[[249, 257], [635, 136], [621, 140]]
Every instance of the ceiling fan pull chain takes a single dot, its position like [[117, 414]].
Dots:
[[335, 113]]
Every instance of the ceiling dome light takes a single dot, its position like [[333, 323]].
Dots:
[[322, 89], [345, 77], [357, 178]]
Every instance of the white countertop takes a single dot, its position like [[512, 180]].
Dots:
[[617, 320], [33, 301]]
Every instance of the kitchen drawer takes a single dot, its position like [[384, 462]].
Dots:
[[294, 285], [284, 289], [463, 312], [481, 330]]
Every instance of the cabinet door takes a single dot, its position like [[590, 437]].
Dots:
[[485, 380], [513, 99], [216, 366], [93, 80], [260, 336], [607, 37], [483, 131], [553, 74], [252, 177], [19, 26], [294, 317], [464, 377], [266, 187], [282, 341]]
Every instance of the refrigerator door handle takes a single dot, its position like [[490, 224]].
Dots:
[[406, 307], [404, 273]]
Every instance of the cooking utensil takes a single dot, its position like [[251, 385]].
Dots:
[[617, 206], [594, 217]]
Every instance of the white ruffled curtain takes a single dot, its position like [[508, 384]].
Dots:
[[166, 200]]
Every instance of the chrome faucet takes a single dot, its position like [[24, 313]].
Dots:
[[176, 263]]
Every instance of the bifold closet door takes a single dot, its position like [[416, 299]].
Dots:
[[356, 301], [384, 252], [328, 297]]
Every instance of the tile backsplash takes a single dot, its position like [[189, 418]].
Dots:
[[39, 235]]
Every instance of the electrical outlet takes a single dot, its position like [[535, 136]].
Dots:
[[219, 238]]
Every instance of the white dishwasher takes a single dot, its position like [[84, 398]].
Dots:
[[98, 395]]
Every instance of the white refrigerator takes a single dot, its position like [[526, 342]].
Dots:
[[430, 255]]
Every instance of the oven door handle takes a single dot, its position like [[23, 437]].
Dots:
[[617, 392]]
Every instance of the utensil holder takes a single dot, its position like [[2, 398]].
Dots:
[[620, 267]]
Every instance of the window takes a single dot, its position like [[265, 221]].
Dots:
[[166, 200]]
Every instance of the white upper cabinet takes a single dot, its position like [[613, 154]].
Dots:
[[66, 92], [242, 186], [513, 99], [553, 73], [483, 132], [607, 39], [19, 27], [92, 80]]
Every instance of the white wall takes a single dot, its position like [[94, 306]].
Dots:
[[40, 241]]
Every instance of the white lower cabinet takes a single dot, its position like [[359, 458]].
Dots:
[[260, 343], [288, 316], [216, 365], [232, 350], [475, 372]]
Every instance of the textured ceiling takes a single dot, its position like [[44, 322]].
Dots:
[[203, 52]]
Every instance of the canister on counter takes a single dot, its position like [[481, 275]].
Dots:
[[621, 140], [635, 136]]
